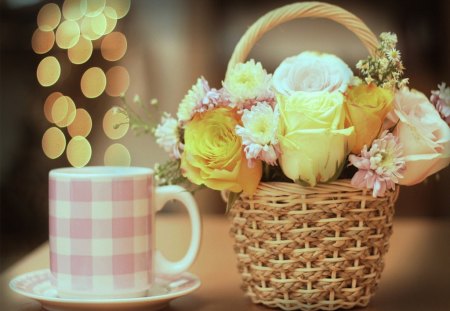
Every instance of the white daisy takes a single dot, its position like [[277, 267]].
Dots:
[[259, 132], [192, 100], [168, 136]]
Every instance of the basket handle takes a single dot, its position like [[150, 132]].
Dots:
[[301, 10]]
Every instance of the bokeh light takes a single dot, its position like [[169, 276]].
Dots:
[[115, 123], [63, 111], [53, 142], [73, 10], [77, 25], [92, 28], [118, 81], [48, 105], [79, 151], [81, 125], [48, 71], [98, 24], [117, 155], [42, 41], [67, 34], [121, 7], [80, 52], [114, 46], [93, 82], [48, 17], [95, 7], [111, 19]]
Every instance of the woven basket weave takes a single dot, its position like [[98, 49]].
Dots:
[[316, 248]]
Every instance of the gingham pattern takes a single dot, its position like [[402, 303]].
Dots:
[[100, 234]]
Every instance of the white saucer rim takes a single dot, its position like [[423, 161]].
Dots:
[[147, 299]]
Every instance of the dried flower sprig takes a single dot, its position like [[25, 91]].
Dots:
[[140, 123], [169, 173], [143, 120], [385, 68]]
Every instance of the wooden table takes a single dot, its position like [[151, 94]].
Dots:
[[416, 277]]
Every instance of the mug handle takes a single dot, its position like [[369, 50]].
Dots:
[[163, 195]]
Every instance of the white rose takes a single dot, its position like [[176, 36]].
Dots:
[[311, 72]]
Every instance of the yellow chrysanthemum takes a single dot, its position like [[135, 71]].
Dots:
[[247, 81]]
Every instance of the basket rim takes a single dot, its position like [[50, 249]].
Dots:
[[337, 186]]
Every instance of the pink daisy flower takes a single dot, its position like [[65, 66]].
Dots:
[[441, 100], [380, 167]]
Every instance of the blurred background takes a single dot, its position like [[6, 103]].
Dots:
[[157, 49]]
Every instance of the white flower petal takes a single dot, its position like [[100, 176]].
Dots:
[[311, 72], [259, 132], [167, 136]]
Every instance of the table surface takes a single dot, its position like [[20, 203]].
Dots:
[[416, 276]]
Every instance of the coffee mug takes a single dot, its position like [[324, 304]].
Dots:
[[102, 237]]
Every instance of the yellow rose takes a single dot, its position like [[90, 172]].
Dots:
[[213, 153], [313, 140], [367, 107]]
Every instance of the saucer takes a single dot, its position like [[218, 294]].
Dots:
[[37, 285]]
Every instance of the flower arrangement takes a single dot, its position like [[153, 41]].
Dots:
[[311, 121]]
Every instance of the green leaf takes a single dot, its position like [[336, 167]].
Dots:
[[232, 197], [337, 174], [302, 183], [339, 169]]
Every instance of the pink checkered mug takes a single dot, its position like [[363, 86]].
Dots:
[[101, 223]]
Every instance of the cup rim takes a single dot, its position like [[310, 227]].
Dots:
[[100, 171]]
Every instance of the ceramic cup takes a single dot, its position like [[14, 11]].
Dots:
[[102, 231]]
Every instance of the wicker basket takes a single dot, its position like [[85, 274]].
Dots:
[[316, 248]]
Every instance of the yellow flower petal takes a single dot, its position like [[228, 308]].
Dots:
[[366, 107], [313, 140], [249, 177]]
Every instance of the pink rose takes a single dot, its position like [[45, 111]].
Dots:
[[424, 135]]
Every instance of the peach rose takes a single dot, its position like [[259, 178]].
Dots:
[[311, 72], [424, 135]]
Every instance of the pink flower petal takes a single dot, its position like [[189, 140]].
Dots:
[[358, 179]]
